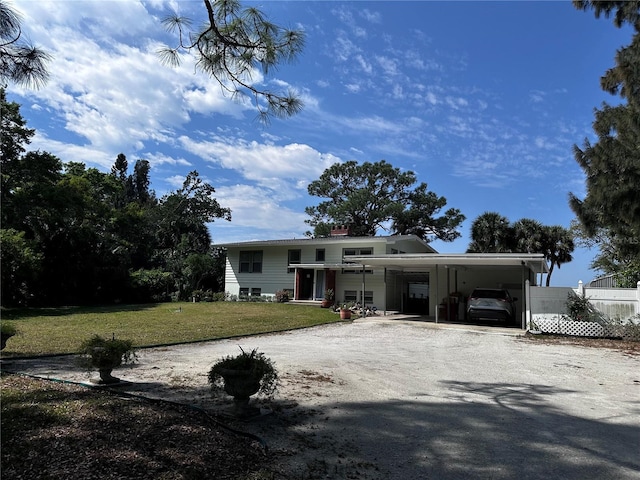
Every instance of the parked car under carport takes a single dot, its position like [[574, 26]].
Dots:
[[492, 304]]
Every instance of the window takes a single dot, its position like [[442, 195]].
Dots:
[[320, 255], [244, 292], [294, 258], [357, 251], [354, 296], [350, 296], [256, 292], [251, 261]]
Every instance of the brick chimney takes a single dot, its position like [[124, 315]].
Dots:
[[340, 231]]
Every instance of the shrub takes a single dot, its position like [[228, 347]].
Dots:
[[282, 296], [580, 309], [8, 329]]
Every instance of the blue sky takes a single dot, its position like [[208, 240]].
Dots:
[[482, 100]]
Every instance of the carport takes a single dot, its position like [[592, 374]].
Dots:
[[452, 273]]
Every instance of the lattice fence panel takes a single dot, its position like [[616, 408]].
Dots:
[[586, 329]]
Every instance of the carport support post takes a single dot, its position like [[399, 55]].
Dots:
[[527, 296], [385, 291], [524, 301], [364, 310], [437, 293]]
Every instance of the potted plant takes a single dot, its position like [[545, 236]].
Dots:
[[105, 355], [244, 375], [7, 330], [329, 297], [346, 311]]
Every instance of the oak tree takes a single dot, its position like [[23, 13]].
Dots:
[[373, 196]]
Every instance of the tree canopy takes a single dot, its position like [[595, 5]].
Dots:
[[494, 233], [20, 62], [611, 208], [75, 235], [373, 196], [234, 43]]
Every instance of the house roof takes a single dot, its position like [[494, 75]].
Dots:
[[389, 239], [416, 262]]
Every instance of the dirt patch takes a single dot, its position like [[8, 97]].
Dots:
[[628, 347], [55, 430]]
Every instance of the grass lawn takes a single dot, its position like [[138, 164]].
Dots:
[[61, 330]]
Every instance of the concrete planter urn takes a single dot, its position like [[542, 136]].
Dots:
[[241, 385], [105, 355], [242, 376]]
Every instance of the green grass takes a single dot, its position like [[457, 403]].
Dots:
[[62, 330]]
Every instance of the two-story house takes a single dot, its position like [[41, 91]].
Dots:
[[392, 273]]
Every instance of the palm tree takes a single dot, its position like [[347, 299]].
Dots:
[[490, 233], [528, 235], [558, 246]]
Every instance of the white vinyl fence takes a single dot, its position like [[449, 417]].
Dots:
[[547, 312]]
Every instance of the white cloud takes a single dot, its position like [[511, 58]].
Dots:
[[116, 95], [161, 159], [352, 87], [175, 181], [344, 48], [371, 17], [281, 169], [68, 152], [254, 207], [536, 96], [431, 98], [364, 64], [389, 66], [456, 102]]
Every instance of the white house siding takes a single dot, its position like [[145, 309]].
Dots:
[[274, 274], [373, 282], [273, 277]]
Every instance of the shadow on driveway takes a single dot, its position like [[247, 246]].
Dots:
[[486, 431]]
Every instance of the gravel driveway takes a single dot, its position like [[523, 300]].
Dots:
[[387, 398]]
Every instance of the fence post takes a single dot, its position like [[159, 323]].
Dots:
[[581, 288], [638, 298]]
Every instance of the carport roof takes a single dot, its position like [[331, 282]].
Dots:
[[416, 262]]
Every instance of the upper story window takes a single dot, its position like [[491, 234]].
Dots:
[[251, 261], [294, 257], [357, 251], [320, 256]]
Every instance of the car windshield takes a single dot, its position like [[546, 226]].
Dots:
[[489, 294]]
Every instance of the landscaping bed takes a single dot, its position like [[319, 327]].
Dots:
[[57, 430]]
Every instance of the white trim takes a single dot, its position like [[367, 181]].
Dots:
[[387, 240], [420, 261]]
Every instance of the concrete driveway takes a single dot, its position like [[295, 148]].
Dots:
[[395, 399]]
